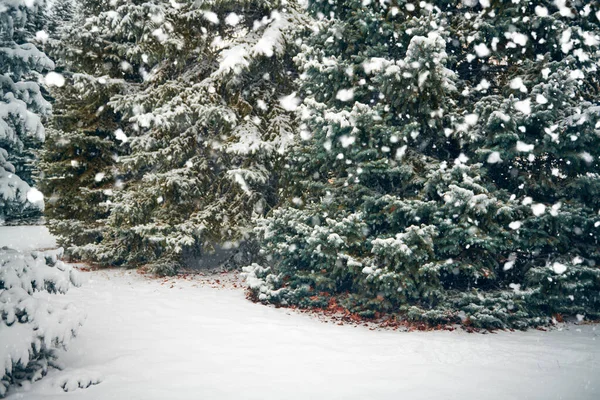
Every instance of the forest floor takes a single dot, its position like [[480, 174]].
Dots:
[[197, 337]]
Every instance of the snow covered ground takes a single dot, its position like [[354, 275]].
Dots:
[[26, 238], [195, 339]]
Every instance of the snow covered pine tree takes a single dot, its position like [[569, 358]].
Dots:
[[449, 168], [198, 109], [100, 56], [22, 106], [207, 134]]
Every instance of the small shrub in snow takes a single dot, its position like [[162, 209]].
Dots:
[[32, 327]]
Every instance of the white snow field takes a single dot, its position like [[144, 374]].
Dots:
[[192, 339], [26, 238]]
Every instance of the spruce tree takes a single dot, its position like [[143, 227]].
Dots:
[[23, 108], [448, 167], [537, 134], [206, 133], [165, 141], [105, 50]]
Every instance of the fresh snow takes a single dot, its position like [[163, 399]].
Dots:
[[195, 338], [54, 79], [25, 238]]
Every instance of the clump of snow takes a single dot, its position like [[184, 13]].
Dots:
[[482, 50], [232, 19], [515, 225], [374, 64], [517, 38], [290, 102], [346, 140], [523, 106], [345, 94], [577, 74], [211, 17], [400, 152], [587, 157], [541, 99], [541, 11], [41, 36], [559, 268], [471, 119], [234, 59], [538, 209], [494, 158], [35, 196], [517, 84], [564, 8], [524, 147], [54, 79], [160, 35], [120, 135], [272, 39], [510, 263]]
